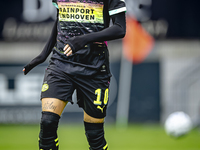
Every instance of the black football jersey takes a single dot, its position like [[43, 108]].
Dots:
[[79, 17]]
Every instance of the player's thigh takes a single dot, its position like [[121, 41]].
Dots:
[[90, 119], [53, 105]]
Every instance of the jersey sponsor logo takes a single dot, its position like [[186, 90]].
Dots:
[[45, 87], [81, 12]]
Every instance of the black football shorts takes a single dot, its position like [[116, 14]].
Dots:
[[92, 93]]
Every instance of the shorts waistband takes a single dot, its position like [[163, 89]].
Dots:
[[99, 44]]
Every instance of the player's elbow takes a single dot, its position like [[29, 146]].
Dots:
[[121, 31]]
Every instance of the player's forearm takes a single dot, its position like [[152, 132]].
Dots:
[[116, 31], [112, 33]]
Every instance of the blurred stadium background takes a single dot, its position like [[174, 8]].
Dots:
[[156, 71]]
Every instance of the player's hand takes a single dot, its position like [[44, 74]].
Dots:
[[25, 71], [27, 68], [67, 50]]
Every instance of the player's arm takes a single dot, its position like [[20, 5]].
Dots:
[[116, 31], [45, 52]]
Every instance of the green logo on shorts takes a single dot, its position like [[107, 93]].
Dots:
[[45, 87]]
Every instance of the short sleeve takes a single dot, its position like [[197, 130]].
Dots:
[[116, 6], [55, 3]]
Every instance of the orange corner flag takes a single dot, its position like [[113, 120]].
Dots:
[[137, 43]]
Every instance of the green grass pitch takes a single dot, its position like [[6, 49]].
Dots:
[[72, 137]]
